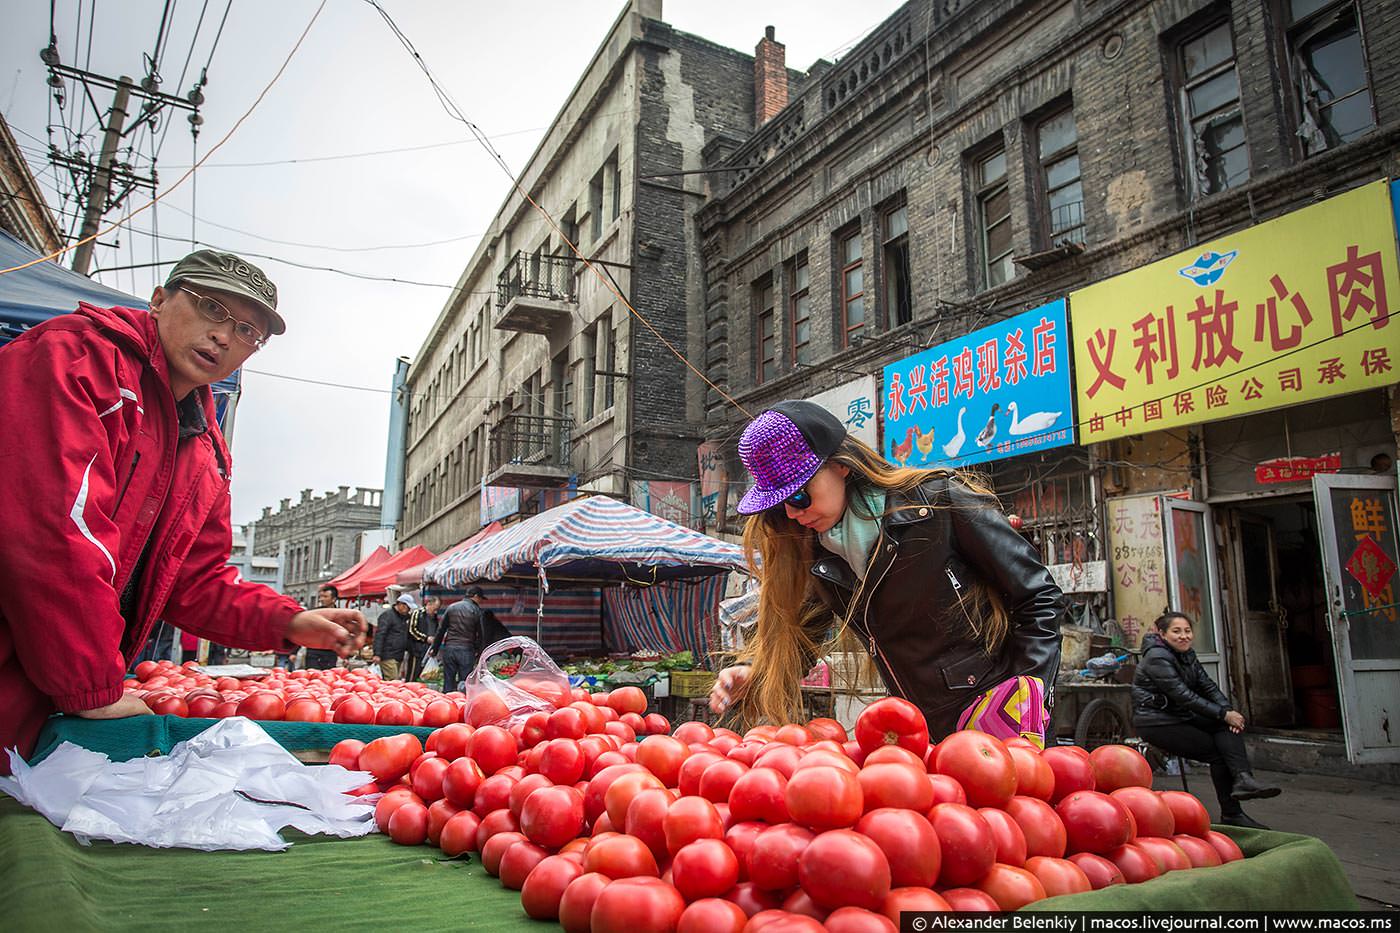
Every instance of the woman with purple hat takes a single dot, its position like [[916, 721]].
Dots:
[[920, 567]]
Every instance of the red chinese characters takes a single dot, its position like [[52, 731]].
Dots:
[[1357, 283]]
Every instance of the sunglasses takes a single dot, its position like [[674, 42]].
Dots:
[[216, 313], [802, 499]]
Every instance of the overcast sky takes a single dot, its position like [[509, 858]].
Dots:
[[351, 89]]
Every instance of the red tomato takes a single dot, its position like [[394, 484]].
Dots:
[[656, 724], [566, 723], [305, 709], [494, 849], [799, 903], [265, 706], [1225, 847], [967, 843], [388, 758], [493, 748], [712, 915], [637, 905], [594, 799], [893, 754], [1041, 825], [408, 826], [394, 713], [459, 833], [540, 894], [495, 823], [901, 900], [354, 710], [1094, 822], [146, 670], [892, 721], [562, 761], [1118, 766], [552, 816], [1099, 870], [1071, 768], [827, 729], [439, 713], [524, 788], [910, 845], [576, 906], [826, 759], [1189, 815], [346, 753], [858, 920], [691, 732], [646, 816], [1033, 776], [981, 764], [759, 794], [518, 863], [428, 778], [1171, 855], [1059, 876], [740, 837], [1135, 864], [970, 900], [1010, 840], [718, 779], [946, 789], [705, 868], [823, 798], [842, 868], [783, 921], [895, 784], [203, 706], [779, 757], [452, 740], [1150, 813], [486, 708], [620, 792], [620, 856], [175, 706], [226, 709], [628, 700], [1012, 888], [461, 780], [1201, 853], [663, 756], [689, 819], [753, 900], [773, 856], [493, 794]]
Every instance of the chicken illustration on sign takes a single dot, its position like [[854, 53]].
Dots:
[[969, 394]]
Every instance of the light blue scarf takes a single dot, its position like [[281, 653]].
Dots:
[[853, 537]]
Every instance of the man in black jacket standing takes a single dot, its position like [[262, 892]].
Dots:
[[422, 627], [391, 637], [458, 641]]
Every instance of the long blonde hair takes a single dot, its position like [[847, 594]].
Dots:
[[793, 621]]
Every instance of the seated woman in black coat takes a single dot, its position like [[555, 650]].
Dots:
[[1178, 708]]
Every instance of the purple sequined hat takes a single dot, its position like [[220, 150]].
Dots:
[[783, 448]]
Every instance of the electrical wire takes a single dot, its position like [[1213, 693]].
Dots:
[[130, 214]]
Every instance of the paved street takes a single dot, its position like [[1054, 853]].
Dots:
[[1360, 820]]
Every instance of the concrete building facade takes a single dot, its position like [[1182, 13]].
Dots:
[[265, 569], [536, 379], [24, 213], [315, 539]]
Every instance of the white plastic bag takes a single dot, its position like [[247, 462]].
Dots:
[[230, 787], [374, 669], [535, 684], [430, 666]]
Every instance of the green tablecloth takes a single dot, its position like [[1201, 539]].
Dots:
[[124, 739]]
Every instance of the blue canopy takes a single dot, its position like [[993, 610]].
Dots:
[[44, 290]]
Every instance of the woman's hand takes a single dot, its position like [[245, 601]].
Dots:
[[339, 630], [729, 686], [1235, 721], [128, 705]]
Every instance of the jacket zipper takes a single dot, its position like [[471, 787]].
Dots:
[[121, 495], [870, 633]]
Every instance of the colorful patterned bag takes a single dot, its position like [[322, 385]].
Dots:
[[1013, 707]]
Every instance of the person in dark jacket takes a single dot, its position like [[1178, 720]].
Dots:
[[492, 629], [391, 637], [458, 641], [1178, 708], [918, 567], [422, 627]]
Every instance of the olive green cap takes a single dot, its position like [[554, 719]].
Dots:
[[229, 273]]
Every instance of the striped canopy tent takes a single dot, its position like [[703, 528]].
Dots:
[[413, 576], [601, 541], [376, 580], [349, 577]]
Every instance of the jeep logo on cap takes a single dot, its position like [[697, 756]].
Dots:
[[253, 277]]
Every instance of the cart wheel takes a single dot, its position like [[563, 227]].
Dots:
[[1101, 723]]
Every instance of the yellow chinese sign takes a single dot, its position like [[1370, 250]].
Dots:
[[1288, 311]]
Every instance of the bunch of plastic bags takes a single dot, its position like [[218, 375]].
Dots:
[[230, 787]]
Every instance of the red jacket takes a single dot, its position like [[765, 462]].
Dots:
[[92, 467]]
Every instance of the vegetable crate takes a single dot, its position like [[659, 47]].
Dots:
[[692, 683]]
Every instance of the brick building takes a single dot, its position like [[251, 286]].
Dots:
[[316, 539], [24, 213], [971, 160], [535, 380]]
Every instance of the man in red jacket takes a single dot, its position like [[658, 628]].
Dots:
[[116, 481]]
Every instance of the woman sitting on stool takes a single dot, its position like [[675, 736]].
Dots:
[[1178, 708]]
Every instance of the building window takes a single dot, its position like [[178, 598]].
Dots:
[[765, 328], [994, 219], [590, 371], [615, 185], [1327, 57], [330, 549], [850, 261], [1210, 103], [899, 306], [595, 206], [1058, 147], [609, 337], [800, 310], [563, 379]]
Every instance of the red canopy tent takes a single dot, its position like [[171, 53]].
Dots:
[[376, 580], [413, 576], [376, 557]]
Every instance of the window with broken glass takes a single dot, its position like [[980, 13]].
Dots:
[[1327, 58], [1217, 152]]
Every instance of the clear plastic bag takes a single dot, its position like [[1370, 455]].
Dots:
[[532, 684]]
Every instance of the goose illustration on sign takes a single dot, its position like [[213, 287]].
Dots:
[[989, 375]]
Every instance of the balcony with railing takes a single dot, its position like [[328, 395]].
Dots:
[[535, 293], [531, 451]]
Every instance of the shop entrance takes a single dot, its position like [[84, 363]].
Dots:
[[1285, 660]]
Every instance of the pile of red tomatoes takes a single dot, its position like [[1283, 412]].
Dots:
[[361, 698], [792, 828]]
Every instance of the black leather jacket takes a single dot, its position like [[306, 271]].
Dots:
[[915, 611], [1171, 687]]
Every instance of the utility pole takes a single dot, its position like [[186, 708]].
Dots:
[[101, 187]]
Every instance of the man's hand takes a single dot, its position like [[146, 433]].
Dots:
[[1235, 721], [128, 705], [729, 686], [338, 630]]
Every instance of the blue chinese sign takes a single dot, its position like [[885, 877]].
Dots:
[[996, 392]]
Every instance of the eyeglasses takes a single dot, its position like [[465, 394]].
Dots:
[[800, 500], [216, 313]]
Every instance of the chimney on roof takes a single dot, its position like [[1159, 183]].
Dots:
[[344, 493], [770, 85], [286, 504], [267, 511], [305, 496]]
